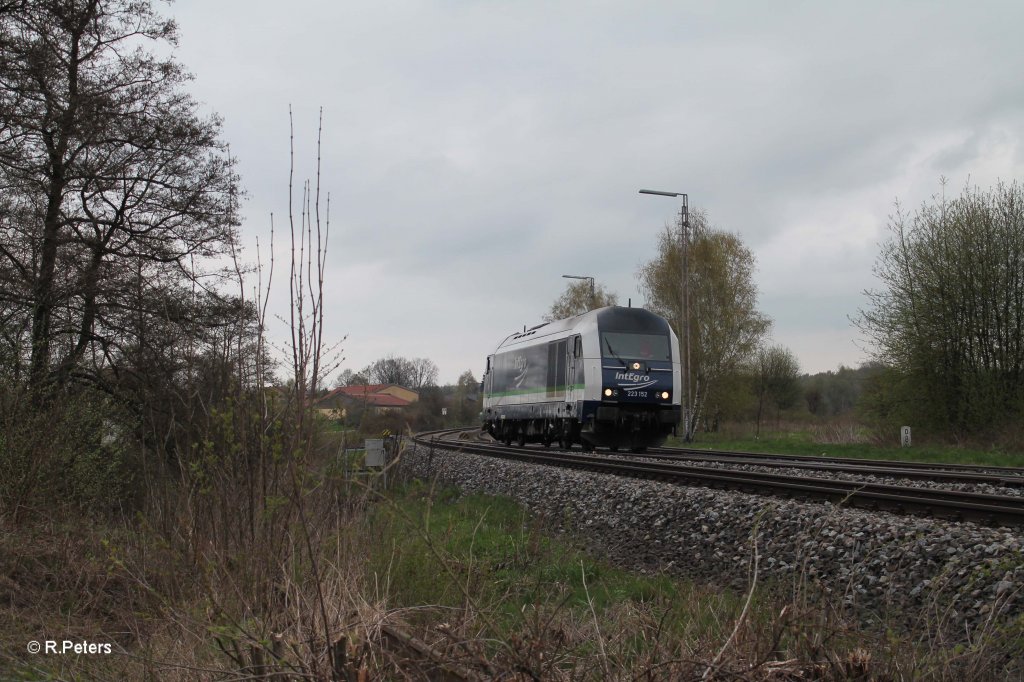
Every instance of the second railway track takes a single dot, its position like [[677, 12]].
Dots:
[[985, 508], [932, 471]]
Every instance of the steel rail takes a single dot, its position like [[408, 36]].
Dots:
[[893, 469], [684, 453], [948, 504]]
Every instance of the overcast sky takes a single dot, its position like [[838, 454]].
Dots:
[[476, 151]]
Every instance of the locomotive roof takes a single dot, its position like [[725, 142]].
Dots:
[[637, 319]]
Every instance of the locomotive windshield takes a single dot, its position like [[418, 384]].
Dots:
[[627, 346]]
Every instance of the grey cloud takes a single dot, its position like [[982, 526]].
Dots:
[[475, 152]]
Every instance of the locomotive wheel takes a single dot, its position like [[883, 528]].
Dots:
[[521, 440], [506, 437], [613, 448], [551, 435], [639, 449], [586, 445]]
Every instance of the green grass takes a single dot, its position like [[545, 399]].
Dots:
[[802, 443], [518, 590], [437, 548]]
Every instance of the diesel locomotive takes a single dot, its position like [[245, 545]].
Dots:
[[606, 378]]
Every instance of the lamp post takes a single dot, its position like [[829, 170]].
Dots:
[[591, 285], [684, 306]]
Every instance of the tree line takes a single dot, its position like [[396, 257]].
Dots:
[[121, 300], [412, 373]]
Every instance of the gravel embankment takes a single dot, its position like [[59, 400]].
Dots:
[[939, 571]]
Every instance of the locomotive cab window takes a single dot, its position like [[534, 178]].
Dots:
[[623, 345]]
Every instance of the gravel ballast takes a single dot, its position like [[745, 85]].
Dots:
[[954, 574]]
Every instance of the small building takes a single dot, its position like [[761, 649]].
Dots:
[[405, 394], [380, 398]]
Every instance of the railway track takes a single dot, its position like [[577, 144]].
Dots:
[[952, 473], [989, 509]]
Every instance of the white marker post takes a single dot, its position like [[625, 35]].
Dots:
[[905, 436]]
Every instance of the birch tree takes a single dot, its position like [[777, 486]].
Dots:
[[578, 298], [725, 326]]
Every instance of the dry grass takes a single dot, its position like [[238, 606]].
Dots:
[[191, 608], [843, 432]]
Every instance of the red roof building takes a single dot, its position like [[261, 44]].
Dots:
[[379, 397]]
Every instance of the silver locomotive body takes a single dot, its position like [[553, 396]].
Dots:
[[609, 377]]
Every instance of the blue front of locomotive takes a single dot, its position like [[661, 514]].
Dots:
[[636, 403]]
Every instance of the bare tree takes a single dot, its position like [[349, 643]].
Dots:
[[422, 373], [391, 369], [350, 377], [113, 186], [415, 374]]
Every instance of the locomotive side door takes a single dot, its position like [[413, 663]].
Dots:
[[574, 369]]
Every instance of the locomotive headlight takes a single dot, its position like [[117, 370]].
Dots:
[[607, 393], [664, 395], [636, 365]]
